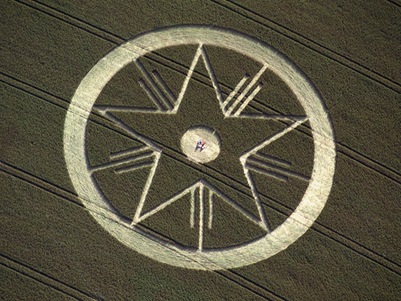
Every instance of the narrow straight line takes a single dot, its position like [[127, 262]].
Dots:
[[151, 95], [246, 90], [128, 131], [235, 205], [37, 279], [73, 21], [134, 167], [128, 152], [153, 84], [264, 223], [211, 201], [188, 76], [152, 172], [248, 100], [167, 203], [284, 171], [273, 138], [120, 161], [43, 278], [201, 217], [236, 89], [171, 97], [102, 110], [272, 158], [192, 212], [140, 156], [264, 171], [212, 75], [233, 274]]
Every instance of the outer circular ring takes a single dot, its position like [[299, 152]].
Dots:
[[288, 232]]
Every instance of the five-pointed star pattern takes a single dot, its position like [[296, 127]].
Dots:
[[172, 175]]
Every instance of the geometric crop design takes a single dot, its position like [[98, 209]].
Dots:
[[242, 158]]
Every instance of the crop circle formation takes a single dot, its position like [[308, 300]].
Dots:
[[125, 231]]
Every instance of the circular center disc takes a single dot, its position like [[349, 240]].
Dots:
[[201, 144]]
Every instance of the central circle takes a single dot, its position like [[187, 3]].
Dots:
[[201, 144]]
